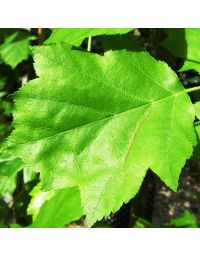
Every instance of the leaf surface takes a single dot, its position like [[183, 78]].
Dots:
[[75, 36], [100, 122]]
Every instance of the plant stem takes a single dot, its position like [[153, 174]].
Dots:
[[193, 89], [89, 46], [40, 35]]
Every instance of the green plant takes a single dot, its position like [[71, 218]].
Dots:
[[91, 125], [186, 220]]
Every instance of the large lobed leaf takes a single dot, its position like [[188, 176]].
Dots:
[[100, 122], [75, 36]]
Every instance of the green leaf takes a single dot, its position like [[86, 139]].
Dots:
[[75, 36], [185, 43], [196, 153], [175, 41], [5, 32], [53, 209], [15, 225], [38, 199], [2, 225], [142, 223], [197, 109], [9, 167], [15, 48], [28, 175], [187, 220], [119, 42], [100, 122]]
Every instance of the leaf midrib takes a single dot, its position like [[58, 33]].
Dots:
[[103, 119]]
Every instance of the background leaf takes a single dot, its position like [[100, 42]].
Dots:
[[75, 36], [185, 43], [15, 48], [187, 220], [54, 209], [9, 167], [119, 42]]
